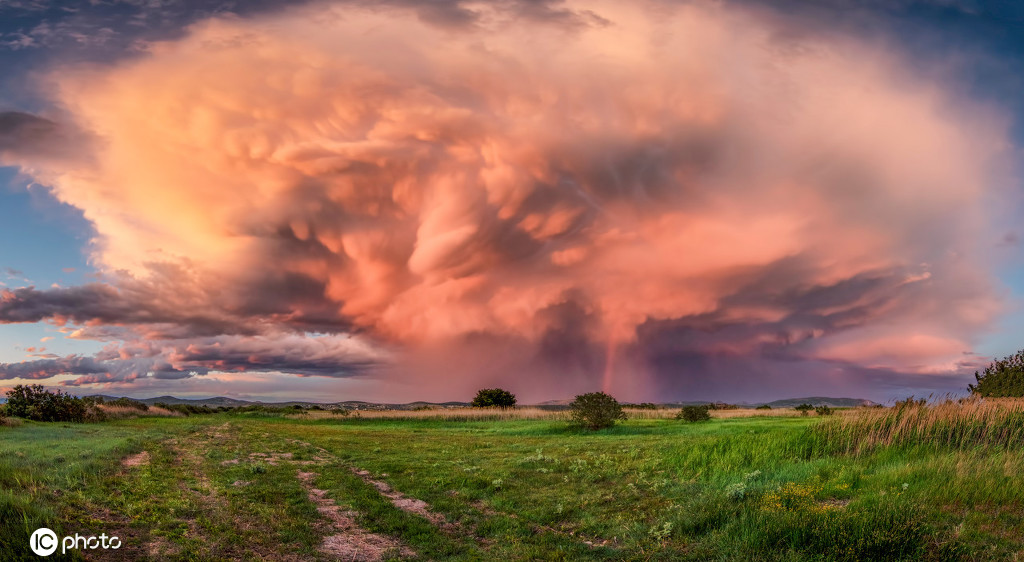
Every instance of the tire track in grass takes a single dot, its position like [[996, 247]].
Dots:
[[222, 522], [382, 508], [404, 502], [350, 541]]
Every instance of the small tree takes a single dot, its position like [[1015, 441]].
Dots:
[[494, 397], [595, 410], [694, 414], [1002, 378], [763, 407], [804, 408], [823, 410]]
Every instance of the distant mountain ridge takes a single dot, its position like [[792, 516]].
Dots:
[[822, 401], [555, 404], [235, 402]]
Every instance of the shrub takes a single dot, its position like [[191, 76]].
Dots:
[[645, 406], [823, 410], [694, 414], [491, 397], [804, 408], [1001, 379], [595, 410], [34, 402], [763, 407], [3, 414]]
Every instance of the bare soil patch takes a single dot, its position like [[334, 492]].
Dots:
[[136, 460]]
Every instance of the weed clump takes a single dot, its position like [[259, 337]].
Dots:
[[794, 518], [694, 414], [595, 410]]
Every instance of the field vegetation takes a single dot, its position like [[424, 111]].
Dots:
[[913, 482]]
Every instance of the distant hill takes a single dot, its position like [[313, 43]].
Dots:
[[234, 403], [547, 404], [821, 401]]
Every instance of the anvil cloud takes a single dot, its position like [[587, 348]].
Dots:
[[652, 198]]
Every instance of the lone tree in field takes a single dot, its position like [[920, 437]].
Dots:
[[494, 397], [595, 410], [1001, 379]]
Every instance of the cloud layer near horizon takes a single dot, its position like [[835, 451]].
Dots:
[[626, 196]]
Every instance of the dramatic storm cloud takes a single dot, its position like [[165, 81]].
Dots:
[[655, 199]]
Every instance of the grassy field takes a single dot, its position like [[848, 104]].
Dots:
[[259, 486]]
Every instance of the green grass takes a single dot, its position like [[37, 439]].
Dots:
[[226, 487]]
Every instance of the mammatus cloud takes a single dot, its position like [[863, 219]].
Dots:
[[629, 197]]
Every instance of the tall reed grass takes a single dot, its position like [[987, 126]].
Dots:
[[972, 423]]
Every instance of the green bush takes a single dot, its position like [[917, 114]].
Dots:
[[694, 414], [595, 410], [645, 406], [804, 408], [34, 402], [494, 397], [823, 410], [763, 407], [1003, 378]]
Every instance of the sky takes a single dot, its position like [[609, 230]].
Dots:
[[667, 200]]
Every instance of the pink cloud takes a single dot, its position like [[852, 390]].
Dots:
[[362, 171]]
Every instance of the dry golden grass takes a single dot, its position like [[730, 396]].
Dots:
[[961, 424], [122, 412], [460, 414], [533, 413]]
